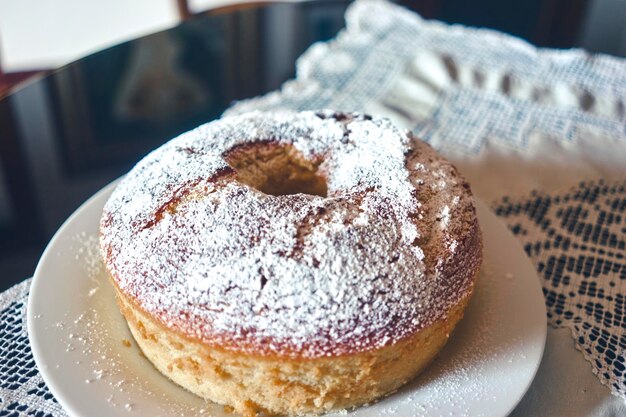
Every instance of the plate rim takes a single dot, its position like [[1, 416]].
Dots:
[[33, 337], [544, 310]]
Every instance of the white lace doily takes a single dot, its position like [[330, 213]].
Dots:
[[22, 390]]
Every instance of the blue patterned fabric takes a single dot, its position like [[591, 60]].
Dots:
[[576, 241], [22, 390]]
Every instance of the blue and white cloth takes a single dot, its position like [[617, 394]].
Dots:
[[540, 134]]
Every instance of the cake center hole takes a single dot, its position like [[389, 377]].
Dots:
[[276, 169]]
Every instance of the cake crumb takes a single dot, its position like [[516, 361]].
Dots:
[[126, 343]]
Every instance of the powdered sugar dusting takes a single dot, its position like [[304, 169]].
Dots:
[[119, 378], [290, 274]]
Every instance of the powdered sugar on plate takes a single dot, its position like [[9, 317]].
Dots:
[[96, 343]]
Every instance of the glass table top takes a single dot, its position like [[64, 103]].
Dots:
[[66, 135]]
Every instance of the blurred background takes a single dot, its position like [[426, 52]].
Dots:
[[38, 35], [65, 136]]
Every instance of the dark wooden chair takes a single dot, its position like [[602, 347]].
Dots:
[[550, 23]]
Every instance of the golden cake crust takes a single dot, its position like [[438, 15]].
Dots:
[[275, 385]]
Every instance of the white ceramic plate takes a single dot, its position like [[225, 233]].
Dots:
[[80, 340]]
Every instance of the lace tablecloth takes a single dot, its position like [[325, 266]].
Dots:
[[540, 134]]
